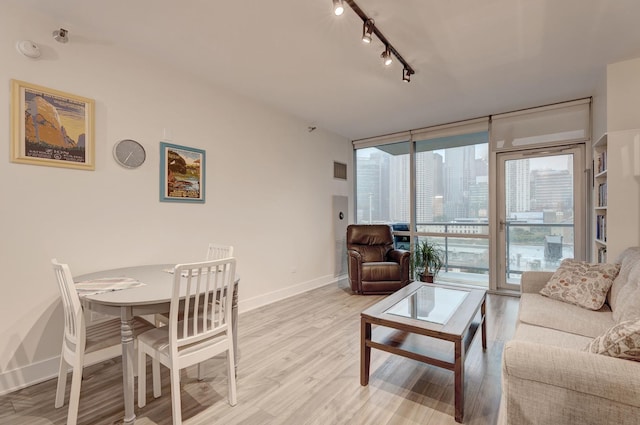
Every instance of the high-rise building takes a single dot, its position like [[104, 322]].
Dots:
[[429, 185], [373, 174], [517, 176], [552, 190], [459, 168], [400, 181]]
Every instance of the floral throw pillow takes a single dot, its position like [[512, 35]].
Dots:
[[622, 341], [581, 283]]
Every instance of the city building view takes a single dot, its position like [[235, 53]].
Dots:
[[452, 204]]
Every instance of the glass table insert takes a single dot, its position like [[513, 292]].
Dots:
[[430, 303]]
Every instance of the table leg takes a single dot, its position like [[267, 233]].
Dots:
[[365, 351], [234, 323], [128, 357], [483, 313], [459, 380]]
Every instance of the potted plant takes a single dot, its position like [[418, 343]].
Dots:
[[427, 260]]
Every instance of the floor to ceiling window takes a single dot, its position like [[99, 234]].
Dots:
[[431, 184], [452, 203], [440, 183]]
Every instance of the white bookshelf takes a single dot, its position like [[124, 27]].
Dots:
[[600, 167]]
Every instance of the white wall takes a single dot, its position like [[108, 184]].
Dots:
[[599, 110], [623, 95], [623, 176], [269, 189]]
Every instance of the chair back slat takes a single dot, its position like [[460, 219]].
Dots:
[[72, 308], [199, 306], [218, 252]]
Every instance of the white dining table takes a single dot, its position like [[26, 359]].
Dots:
[[151, 298]]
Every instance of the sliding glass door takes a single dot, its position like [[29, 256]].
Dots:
[[541, 218]]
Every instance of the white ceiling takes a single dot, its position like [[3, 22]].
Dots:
[[472, 57]]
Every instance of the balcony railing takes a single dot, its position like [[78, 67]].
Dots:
[[530, 246]]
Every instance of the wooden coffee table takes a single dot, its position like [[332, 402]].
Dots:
[[420, 321]]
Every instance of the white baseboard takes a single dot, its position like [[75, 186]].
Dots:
[[32, 374], [280, 294], [35, 373]]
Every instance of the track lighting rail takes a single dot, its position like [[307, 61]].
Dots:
[[408, 70]]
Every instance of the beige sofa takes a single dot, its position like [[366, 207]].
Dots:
[[547, 378]]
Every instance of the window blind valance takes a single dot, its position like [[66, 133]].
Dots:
[[561, 123], [382, 140], [436, 132], [454, 129]]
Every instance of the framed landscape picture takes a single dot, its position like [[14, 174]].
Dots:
[[50, 127], [182, 173]]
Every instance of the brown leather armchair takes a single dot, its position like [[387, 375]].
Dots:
[[375, 267]]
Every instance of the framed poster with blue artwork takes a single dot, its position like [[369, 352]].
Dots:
[[182, 173]]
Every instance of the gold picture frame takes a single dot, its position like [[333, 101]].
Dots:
[[62, 133]]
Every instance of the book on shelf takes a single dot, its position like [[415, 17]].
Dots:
[[602, 194], [602, 255], [601, 227], [601, 162]]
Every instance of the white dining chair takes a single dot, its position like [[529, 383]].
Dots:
[[214, 252], [83, 345], [199, 328]]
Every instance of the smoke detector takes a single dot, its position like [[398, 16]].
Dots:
[[28, 48]]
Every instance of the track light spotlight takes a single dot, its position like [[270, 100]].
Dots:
[[367, 30], [406, 75], [61, 35], [338, 7], [386, 56]]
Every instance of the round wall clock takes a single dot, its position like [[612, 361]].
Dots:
[[129, 153]]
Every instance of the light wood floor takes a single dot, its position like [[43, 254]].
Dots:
[[299, 365]]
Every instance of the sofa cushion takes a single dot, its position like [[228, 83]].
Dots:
[[630, 308], [549, 313], [627, 297], [581, 283], [622, 341], [629, 261], [552, 337]]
